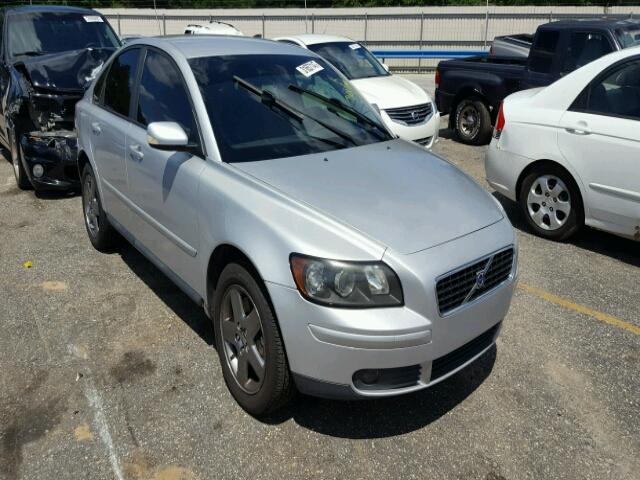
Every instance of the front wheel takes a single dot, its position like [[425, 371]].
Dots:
[[472, 122], [251, 350], [551, 203], [19, 172]]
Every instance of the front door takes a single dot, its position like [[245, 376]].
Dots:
[[163, 184]]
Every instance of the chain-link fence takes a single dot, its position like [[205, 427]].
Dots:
[[446, 30]]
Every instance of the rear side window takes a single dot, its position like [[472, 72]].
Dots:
[[617, 94], [583, 48], [120, 80], [163, 96], [543, 51]]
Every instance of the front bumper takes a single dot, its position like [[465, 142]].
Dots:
[[327, 347], [57, 153], [425, 133]]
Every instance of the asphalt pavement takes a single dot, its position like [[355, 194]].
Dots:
[[107, 371]]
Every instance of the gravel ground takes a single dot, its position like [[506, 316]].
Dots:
[[107, 371]]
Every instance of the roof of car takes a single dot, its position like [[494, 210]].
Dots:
[[603, 22], [195, 46], [48, 8], [314, 38]]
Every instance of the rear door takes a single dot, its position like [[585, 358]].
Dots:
[[163, 184], [107, 125], [600, 137]]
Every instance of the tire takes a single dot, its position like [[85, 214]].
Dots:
[[22, 180], [472, 122], [252, 355], [551, 203], [101, 233]]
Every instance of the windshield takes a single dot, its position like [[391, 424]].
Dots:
[[273, 106], [351, 58], [53, 32], [629, 36]]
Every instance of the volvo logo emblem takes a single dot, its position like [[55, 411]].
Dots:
[[481, 277]]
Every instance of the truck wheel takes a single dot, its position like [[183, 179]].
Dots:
[[473, 122], [251, 350], [102, 235], [22, 180], [551, 203]]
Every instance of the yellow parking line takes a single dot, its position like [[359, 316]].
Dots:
[[562, 302]]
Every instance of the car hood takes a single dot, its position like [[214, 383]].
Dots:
[[70, 71], [395, 192], [391, 91]]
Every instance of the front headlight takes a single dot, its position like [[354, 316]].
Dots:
[[346, 284]]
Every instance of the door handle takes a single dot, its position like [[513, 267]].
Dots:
[[577, 131], [135, 152], [95, 128], [580, 128]]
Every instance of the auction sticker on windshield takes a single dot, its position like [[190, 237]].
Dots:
[[309, 68], [93, 19], [355, 46]]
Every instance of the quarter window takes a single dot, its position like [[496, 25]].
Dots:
[[543, 51], [120, 80], [617, 94], [163, 96]]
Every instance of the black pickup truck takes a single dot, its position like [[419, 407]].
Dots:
[[471, 90], [48, 56]]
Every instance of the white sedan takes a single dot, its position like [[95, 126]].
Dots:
[[570, 153], [406, 109]]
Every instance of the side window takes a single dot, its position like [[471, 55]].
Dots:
[[1, 32], [583, 48], [543, 51], [119, 81], [617, 94], [163, 96]]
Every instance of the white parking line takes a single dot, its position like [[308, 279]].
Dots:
[[100, 423]]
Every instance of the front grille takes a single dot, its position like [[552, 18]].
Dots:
[[411, 115], [452, 360], [424, 141], [464, 285]]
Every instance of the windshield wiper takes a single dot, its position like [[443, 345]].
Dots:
[[334, 102], [271, 101]]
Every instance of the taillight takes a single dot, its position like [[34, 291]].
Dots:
[[437, 78], [500, 121]]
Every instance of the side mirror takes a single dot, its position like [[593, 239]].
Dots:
[[167, 136], [385, 66]]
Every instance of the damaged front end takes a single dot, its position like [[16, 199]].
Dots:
[[42, 111]]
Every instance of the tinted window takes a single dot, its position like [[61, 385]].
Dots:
[[51, 32], [99, 88], [617, 94], [163, 96], [351, 58], [584, 48], [120, 80], [279, 119], [628, 36], [543, 51]]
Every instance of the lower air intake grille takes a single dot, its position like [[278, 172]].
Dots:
[[449, 362], [464, 285], [411, 115]]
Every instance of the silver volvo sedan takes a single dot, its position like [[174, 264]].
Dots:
[[332, 257]]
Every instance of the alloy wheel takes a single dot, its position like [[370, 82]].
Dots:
[[549, 202], [469, 120], [243, 339], [91, 205]]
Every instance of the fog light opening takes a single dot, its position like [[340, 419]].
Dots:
[[38, 170], [368, 377]]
